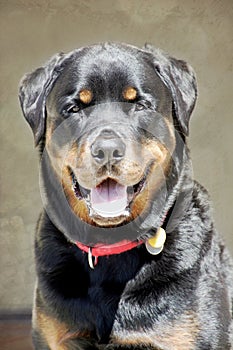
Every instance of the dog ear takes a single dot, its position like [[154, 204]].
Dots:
[[33, 91], [180, 78]]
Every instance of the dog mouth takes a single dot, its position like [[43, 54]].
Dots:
[[109, 199]]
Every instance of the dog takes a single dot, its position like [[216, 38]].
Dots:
[[127, 255]]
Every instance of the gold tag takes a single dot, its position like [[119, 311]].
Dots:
[[155, 244]]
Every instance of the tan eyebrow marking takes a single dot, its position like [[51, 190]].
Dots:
[[85, 96], [130, 93]]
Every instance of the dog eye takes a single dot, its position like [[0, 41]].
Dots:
[[141, 105], [72, 109]]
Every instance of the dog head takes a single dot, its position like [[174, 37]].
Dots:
[[109, 116]]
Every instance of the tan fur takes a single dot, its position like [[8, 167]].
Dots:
[[56, 333], [130, 93], [85, 96]]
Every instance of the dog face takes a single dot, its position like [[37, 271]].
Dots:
[[119, 108]]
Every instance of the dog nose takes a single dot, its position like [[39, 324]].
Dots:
[[108, 148]]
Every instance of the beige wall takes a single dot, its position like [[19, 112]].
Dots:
[[31, 31]]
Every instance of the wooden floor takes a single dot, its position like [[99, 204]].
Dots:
[[15, 333]]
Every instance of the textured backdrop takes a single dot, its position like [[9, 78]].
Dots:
[[31, 31]]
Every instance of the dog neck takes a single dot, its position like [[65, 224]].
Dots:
[[154, 246]]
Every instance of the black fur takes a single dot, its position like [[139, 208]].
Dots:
[[133, 295]]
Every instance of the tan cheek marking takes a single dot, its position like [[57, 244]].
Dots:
[[61, 159], [160, 153], [77, 205], [85, 96], [130, 93], [143, 199], [71, 157], [156, 176], [139, 204]]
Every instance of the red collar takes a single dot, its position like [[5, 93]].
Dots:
[[105, 250], [109, 249]]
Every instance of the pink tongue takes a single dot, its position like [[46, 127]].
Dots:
[[109, 199]]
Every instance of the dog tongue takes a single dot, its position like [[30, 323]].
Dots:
[[109, 199]]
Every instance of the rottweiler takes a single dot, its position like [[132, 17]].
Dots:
[[127, 255]]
